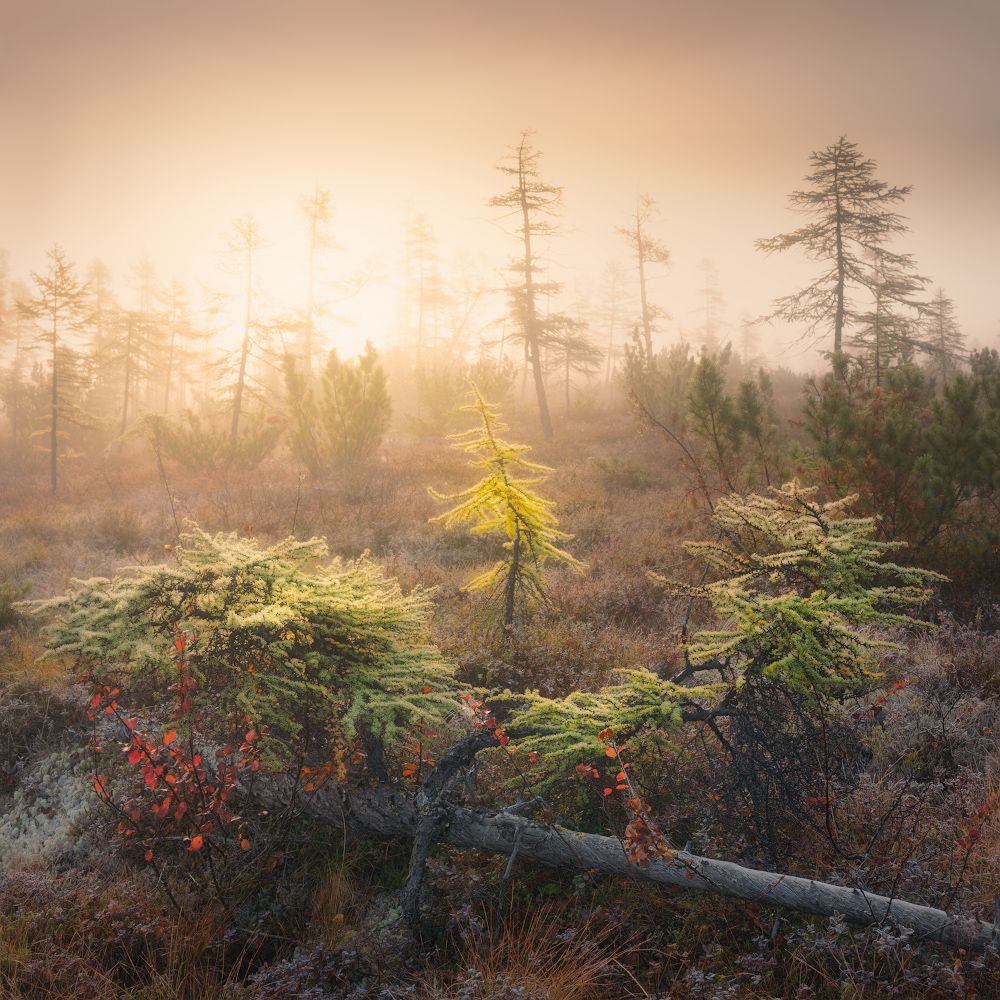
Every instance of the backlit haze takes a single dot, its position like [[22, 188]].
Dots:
[[132, 126]]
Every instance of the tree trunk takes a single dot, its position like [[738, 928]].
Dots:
[[54, 430], [234, 429], [128, 378], [531, 316], [387, 812], [510, 587], [838, 319], [168, 375], [647, 324]]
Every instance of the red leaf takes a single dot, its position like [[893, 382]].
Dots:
[[169, 738], [148, 855], [134, 757], [196, 842], [607, 792]]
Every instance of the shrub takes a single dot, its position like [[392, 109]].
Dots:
[[341, 420], [204, 446], [236, 659], [264, 640]]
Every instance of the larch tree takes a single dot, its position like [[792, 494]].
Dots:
[[531, 202], [317, 211], [101, 311], [504, 503], [180, 340], [713, 303], [749, 341], [610, 310], [421, 255], [943, 339], [244, 242], [572, 353], [58, 307], [851, 215], [888, 333], [646, 251]]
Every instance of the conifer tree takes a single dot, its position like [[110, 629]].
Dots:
[[426, 288], [57, 306], [944, 341], [802, 590], [317, 211], [713, 306], [134, 352], [503, 503], [245, 241], [722, 418], [803, 586], [531, 202], [572, 353], [611, 308], [888, 335], [181, 339], [646, 250], [852, 215], [17, 391], [341, 418], [310, 652]]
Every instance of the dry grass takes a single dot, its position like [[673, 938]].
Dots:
[[623, 498], [538, 953], [332, 903]]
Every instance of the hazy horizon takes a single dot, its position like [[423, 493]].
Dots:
[[136, 128]]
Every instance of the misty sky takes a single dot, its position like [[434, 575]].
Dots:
[[134, 125]]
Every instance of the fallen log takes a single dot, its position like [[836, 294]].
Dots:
[[560, 847], [386, 812]]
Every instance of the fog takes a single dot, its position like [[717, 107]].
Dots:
[[139, 128]]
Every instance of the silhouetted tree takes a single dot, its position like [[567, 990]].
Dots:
[[713, 303], [530, 200], [317, 211], [646, 249], [610, 309], [889, 332], [425, 281], [572, 352], [245, 240], [181, 338], [943, 340], [57, 306], [851, 216]]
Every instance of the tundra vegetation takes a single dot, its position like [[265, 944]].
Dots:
[[313, 683]]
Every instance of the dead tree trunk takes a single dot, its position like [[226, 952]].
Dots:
[[387, 812]]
